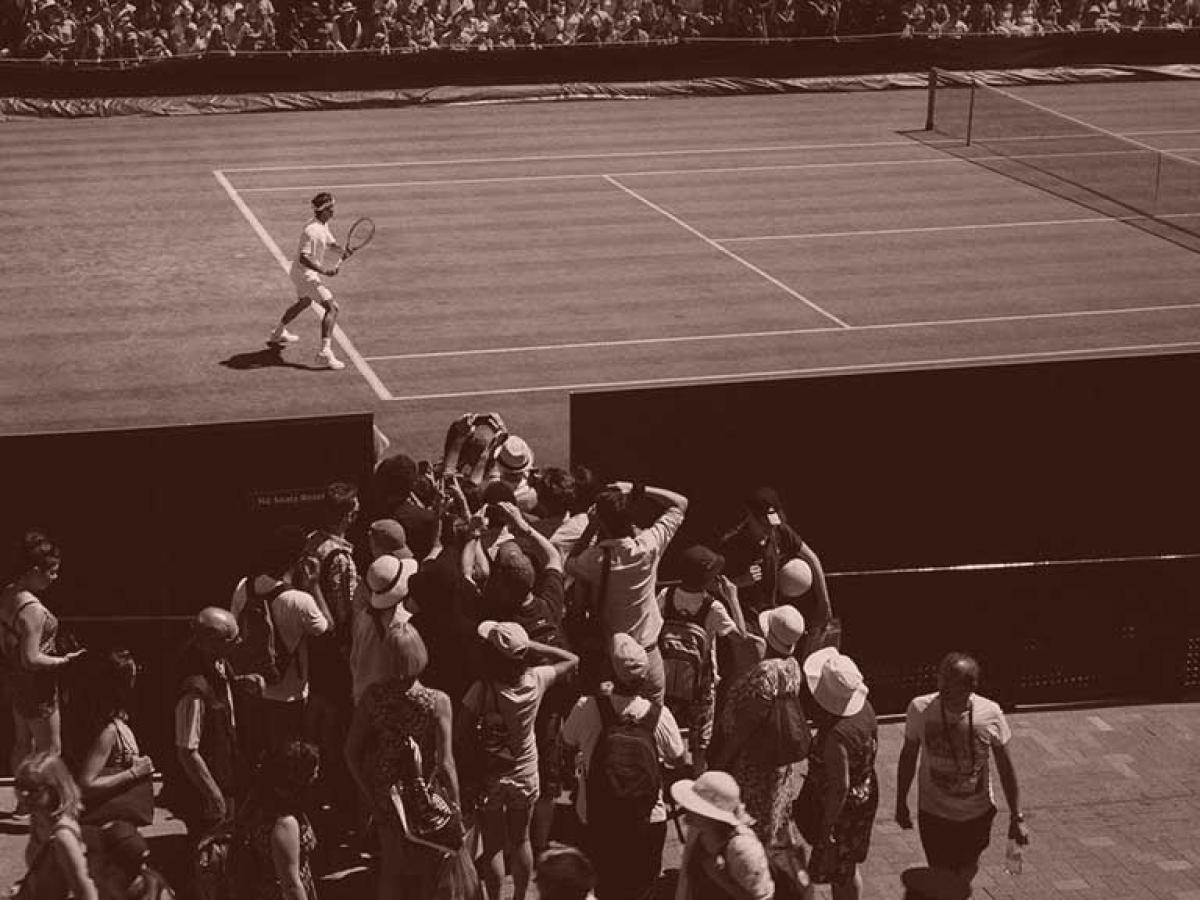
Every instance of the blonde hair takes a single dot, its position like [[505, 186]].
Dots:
[[405, 653], [47, 771]]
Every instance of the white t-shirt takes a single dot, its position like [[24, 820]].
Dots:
[[314, 241], [717, 623], [584, 725], [296, 617], [954, 779]]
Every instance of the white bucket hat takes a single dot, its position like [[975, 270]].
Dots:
[[714, 795], [835, 682], [782, 626]]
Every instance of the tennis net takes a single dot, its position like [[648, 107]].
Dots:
[[1109, 173]]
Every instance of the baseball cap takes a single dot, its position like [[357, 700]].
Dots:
[[629, 660], [508, 637], [389, 536]]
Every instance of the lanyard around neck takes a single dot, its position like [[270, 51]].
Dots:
[[949, 733]]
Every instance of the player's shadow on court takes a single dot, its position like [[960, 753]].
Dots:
[[266, 358]]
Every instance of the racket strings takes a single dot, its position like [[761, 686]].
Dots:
[[360, 234]]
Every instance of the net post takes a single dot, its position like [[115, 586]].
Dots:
[[931, 99], [971, 112]]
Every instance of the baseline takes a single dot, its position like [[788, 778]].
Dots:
[[940, 160], [339, 335], [629, 154]]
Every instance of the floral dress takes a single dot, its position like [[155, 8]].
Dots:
[[395, 714], [767, 791], [859, 735], [255, 836]]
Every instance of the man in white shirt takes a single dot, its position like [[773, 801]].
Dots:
[[277, 716], [307, 269], [953, 732]]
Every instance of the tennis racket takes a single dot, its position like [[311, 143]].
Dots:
[[359, 235]]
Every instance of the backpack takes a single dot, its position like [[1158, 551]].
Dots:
[[319, 553], [784, 736], [686, 651], [491, 730], [624, 778], [261, 652]]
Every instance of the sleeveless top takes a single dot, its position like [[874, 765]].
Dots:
[[10, 638]]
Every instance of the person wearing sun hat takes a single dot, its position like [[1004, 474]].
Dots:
[[747, 747], [722, 856], [627, 853], [380, 601], [512, 463], [841, 794], [517, 673]]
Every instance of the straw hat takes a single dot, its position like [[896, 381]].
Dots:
[[835, 682], [782, 626], [714, 795]]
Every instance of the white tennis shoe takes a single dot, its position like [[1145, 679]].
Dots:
[[282, 338], [326, 360]]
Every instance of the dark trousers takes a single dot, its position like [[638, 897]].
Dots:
[[627, 858]]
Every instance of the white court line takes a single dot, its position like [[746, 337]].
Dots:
[[749, 265], [646, 154], [568, 157], [339, 335], [783, 167], [816, 370], [782, 332], [1042, 223]]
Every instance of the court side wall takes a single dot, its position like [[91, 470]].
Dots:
[[288, 81], [1068, 461], [156, 523]]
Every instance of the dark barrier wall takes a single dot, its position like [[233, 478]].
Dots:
[[1050, 461], [250, 73], [156, 523]]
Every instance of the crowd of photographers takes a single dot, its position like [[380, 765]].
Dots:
[[150, 29], [474, 675]]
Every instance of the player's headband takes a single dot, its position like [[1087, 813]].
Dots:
[[322, 202]]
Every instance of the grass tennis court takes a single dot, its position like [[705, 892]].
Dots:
[[527, 250]]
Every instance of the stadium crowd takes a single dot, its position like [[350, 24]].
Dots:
[[152, 29], [429, 667]]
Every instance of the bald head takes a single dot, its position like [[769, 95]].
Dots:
[[214, 622]]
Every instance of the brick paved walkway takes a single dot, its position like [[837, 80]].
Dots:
[[1112, 797]]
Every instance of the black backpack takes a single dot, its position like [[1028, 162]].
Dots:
[[686, 651], [260, 652], [624, 778]]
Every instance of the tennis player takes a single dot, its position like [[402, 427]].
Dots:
[[307, 269]]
